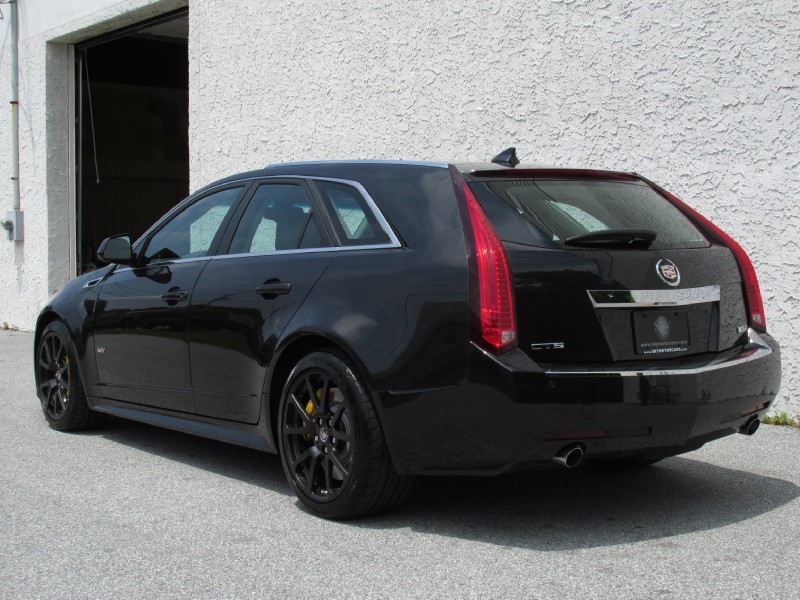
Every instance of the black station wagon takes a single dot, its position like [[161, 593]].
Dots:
[[374, 320]]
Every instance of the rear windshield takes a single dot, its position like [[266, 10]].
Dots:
[[545, 212]]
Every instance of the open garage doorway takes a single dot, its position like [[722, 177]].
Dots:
[[132, 130]]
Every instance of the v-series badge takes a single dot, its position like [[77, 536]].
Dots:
[[548, 346]]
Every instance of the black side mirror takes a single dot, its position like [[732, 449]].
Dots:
[[116, 249]]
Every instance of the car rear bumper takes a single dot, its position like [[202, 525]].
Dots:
[[511, 412]]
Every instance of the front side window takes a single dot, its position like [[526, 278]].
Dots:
[[279, 217], [191, 232]]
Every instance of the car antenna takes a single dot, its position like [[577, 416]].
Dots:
[[507, 157]]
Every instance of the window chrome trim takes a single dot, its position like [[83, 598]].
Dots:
[[394, 241], [653, 298], [321, 249], [163, 263]]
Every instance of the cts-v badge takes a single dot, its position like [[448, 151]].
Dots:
[[548, 346], [668, 272]]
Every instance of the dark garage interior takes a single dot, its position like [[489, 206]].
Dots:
[[132, 103]]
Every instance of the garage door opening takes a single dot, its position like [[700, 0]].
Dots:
[[132, 136]]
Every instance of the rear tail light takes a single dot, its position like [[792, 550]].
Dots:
[[752, 293], [491, 288]]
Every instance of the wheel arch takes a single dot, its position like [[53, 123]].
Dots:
[[295, 347]]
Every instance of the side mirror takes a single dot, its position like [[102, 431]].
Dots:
[[116, 249]]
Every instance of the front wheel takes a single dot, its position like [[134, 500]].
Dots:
[[331, 443], [58, 381]]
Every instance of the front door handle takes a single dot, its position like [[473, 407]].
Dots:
[[271, 289], [175, 295]]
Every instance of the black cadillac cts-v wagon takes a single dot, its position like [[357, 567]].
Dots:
[[374, 320]]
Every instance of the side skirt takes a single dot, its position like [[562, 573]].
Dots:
[[240, 434]]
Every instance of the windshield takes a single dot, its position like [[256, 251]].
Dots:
[[546, 212]]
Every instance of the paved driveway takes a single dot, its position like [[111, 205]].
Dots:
[[134, 511]]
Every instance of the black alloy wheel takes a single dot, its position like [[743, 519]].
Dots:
[[331, 443], [318, 433], [58, 381]]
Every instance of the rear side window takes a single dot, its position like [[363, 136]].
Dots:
[[545, 212], [354, 222], [278, 217]]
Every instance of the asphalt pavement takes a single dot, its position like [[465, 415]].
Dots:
[[132, 511]]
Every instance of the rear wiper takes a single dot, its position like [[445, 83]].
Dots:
[[639, 238]]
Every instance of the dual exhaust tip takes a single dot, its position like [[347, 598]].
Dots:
[[571, 455], [750, 427]]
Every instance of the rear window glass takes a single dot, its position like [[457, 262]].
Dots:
[[545, 212]]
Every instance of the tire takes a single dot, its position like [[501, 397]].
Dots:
[[331, 444], [58, 381]]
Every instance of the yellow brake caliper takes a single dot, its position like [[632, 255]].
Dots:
[[311, 411]]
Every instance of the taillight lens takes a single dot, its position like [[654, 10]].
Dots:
[[752, 292], [493, 300]]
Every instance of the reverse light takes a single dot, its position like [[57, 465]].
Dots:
[[492, 292], [751, 290]]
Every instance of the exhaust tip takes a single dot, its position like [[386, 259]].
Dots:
[[570, 456], [750, 427]]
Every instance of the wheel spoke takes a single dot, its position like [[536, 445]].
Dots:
[[311, 393], [326, 465], [335, 460], [323, 399], [303, 457], [48, 356], [58, 405], [306, 429], [341, 436], [302, 410], [310, 472]]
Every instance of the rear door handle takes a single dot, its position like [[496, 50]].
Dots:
[[174, 295], [271, 289]]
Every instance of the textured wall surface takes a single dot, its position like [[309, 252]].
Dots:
[[703, 96], [31, 270]]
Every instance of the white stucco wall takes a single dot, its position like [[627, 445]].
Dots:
[[31, 270], [703, 96]]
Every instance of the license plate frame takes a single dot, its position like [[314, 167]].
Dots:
[[661, 332]]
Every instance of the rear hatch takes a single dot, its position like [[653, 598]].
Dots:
[[606, 269]]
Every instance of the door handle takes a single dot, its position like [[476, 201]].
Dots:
[[175, 295], [271, 289]]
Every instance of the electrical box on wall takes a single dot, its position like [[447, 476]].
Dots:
[[13, 225]]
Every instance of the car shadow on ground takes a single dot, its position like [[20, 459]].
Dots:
[[244, 464], [555, 509], [547, 509]]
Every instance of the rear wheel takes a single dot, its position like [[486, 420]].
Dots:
[[59, 385], [332, 446]]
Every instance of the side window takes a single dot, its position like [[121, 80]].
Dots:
[[354, 221], [192, 231], [279, 217]]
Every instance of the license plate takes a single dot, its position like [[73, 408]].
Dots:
[[661, 332]]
